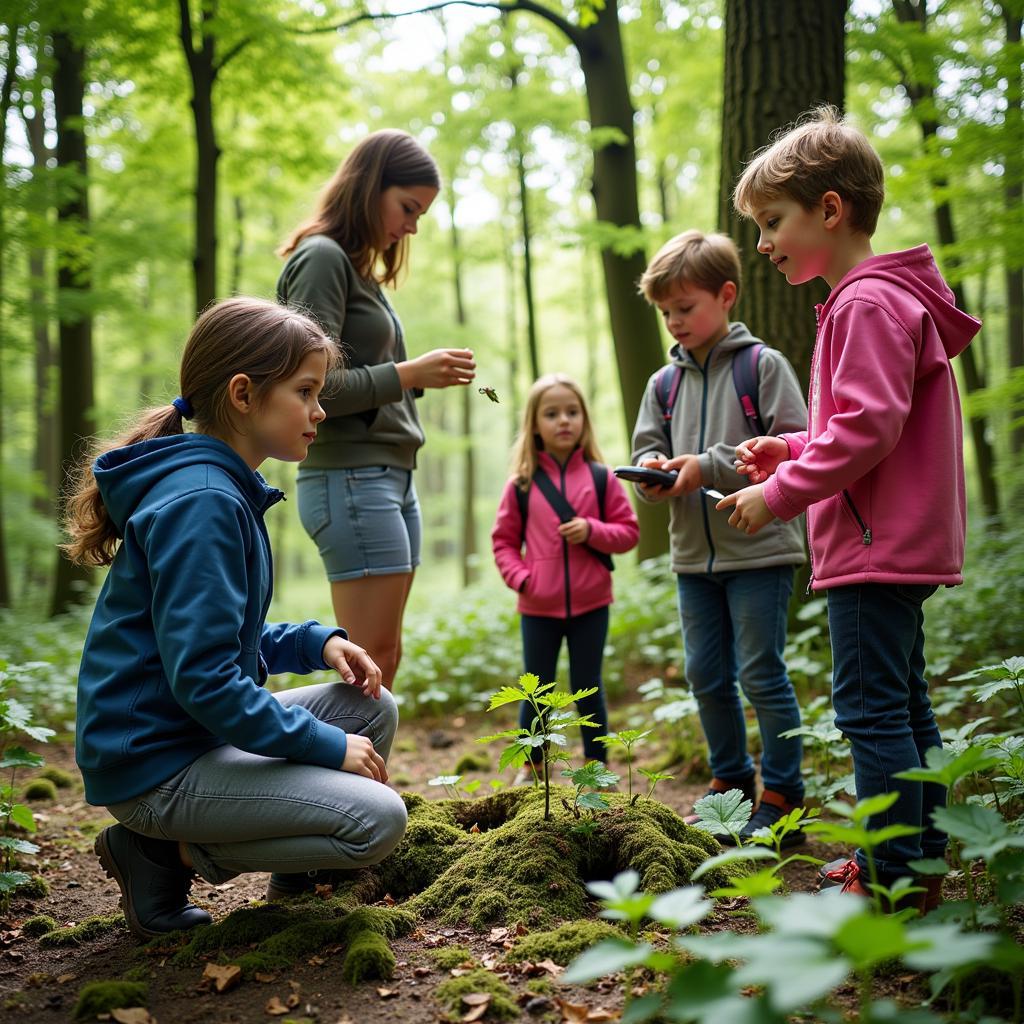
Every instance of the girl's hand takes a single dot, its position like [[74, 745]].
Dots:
[[353, 664], [362, 759], [759, 457], [750, 512], [441, 368], [576, 531]]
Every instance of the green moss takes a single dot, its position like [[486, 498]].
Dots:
[[89, 930], [60, 778], [540, 986], [447, 957], [502, 1005], [140, 972], [400, 779], [35, 888], [40, 789], [407, 746], [368, 956], [103, 996], [564, 943], [261, 963], [472, 762], [38, 925]]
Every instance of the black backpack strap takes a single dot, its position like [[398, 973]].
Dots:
[[745, 380], [666, 390], [599, 471], [560, 503], [523, 501]]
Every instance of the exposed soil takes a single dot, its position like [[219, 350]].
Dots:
[[40, 985]]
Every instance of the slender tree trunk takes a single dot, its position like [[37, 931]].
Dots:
[[238, 249], [780, 59], [922, 101], [74, 289], [511, 325], [589, 298], [524, 223], [44, 459], [634, 326], [203, 72]]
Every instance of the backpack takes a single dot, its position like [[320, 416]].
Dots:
[[744, 379], [562, 508]]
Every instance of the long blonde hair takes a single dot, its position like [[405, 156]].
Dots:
[[261, 339], [349, 209], [527, 444]]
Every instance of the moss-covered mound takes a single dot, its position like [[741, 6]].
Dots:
[[88, 931], [502, 1003], [562, 944], [519, 867], [103, 996]]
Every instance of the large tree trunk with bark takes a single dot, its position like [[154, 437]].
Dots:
[[780, 60], [638, 346], [74, 290]]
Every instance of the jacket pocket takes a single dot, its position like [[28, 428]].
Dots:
[[314, 503], [854, 516], [545, 586]]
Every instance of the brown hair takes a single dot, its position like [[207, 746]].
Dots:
[[264, 341], [527, 443], [820, 152], [707, 261], [349, 208]]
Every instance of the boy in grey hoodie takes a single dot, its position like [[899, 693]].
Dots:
[[733, 589]]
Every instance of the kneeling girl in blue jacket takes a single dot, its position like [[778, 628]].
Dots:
[[206, 771]]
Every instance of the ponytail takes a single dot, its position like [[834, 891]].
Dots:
[[94, 538]]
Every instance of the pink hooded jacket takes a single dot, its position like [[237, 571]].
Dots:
[[880, 469], [562, 579]]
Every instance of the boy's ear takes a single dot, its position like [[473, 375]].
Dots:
[[728, 294], [834, 208], [240, 393]]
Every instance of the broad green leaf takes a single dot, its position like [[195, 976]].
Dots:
[[473, 786], [760, 883], [642, 1009], [983, 832], [10, 880], [528, 683], [796, 970], [929, 866], [719, 946], [624, 884], [723, 813], [23, 817], [593, 773], [507, 734], [989, 690], [682, 907], [514, 756], [506, 695], [444, 780], [593, 802], [654, 776], [939, 946], [18, 716], [731, 856], [607, 957], [817, 916], [19, 757], [947, 768], [18, 845], [869, 939]]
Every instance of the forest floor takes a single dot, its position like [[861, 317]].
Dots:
[[40, 985]]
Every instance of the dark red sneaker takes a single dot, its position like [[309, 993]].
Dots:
[[723, 786], [843, 873]]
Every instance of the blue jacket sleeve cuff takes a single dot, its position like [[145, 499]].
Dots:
[[313, 641], [327, 746]]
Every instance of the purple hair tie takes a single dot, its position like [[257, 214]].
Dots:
[[184, 406]]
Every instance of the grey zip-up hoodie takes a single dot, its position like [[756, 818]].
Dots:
[[708, 421]]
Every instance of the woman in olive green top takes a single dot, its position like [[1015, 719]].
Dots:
[[356, 494]]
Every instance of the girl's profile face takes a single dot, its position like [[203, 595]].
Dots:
[[401, 206], [560, 421]]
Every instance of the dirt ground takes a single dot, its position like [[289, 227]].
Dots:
[[40, 986]]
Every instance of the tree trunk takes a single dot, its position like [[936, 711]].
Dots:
[[524, 223], [238, 249], [922, 101], [780, 59], [203, 73], [74, 289], [634, 326], [511, 323]]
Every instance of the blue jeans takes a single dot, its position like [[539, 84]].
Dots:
[[734, 626], [882, 707], [584, 636]]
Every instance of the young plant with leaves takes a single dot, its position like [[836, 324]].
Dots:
[[547, 730], [627, 739], [593, 775]]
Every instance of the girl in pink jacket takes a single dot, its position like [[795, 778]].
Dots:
[[561, 517]]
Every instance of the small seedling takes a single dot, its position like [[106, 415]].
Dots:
[[654, 777], [627, 739], [593, 775]]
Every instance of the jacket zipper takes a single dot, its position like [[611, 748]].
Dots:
[[810, 400], [865, 530], [700, 447], [565, 549]]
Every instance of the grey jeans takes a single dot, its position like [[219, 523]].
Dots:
[[244, 812]]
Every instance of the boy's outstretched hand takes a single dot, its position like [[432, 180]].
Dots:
[[750, 512], [353, 664], [759, 457]]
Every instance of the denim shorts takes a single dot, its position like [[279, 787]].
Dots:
[[365, 521]]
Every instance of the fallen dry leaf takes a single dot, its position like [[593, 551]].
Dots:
[[497, 936], [265, 977], [551, 967], [293, 1000], [421, 972], [275, 1007], [573, 1013], [63, 979], [389, 900], [224, 977], [521, 929], [475, 830], [387, 993], [478, 1002], [601, 1014], [133, 1015], [475, 1014]]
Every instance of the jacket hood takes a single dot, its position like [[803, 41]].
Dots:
[[126, 475], [915, 271], [738, 337]]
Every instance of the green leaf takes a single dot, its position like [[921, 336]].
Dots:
[[444, 780], [760, 883], [23, 817], [18, 716], [989, 690], [723, 813], [506, 695], [939, 946], [529, 683], [796, 970], [680, 908], [948, 768], [505, 735], [818, 916], [654, 776], [10, 880], [593, 774], [607, 957], [981, 829], [19, 757], [18, 845], [929, 866], [869, 939], [732, 856], [593, 802], [514, 756]]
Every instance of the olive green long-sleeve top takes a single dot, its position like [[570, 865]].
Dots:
[[371, 419]]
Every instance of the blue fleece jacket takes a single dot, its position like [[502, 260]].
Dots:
[[179, 647]]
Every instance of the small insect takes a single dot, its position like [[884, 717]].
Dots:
[[490, 393]]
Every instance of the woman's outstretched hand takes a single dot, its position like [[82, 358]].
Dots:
[[362, 759], [353, 664], [759, 457], [441, 368]]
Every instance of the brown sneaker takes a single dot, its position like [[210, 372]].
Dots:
[[723, 786]]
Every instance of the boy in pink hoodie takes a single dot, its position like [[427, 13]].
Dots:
[[879, 469]]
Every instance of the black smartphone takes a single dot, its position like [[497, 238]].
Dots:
[[646, 475]]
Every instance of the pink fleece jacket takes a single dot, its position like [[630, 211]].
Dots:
[[561, 579], [880, 468]]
